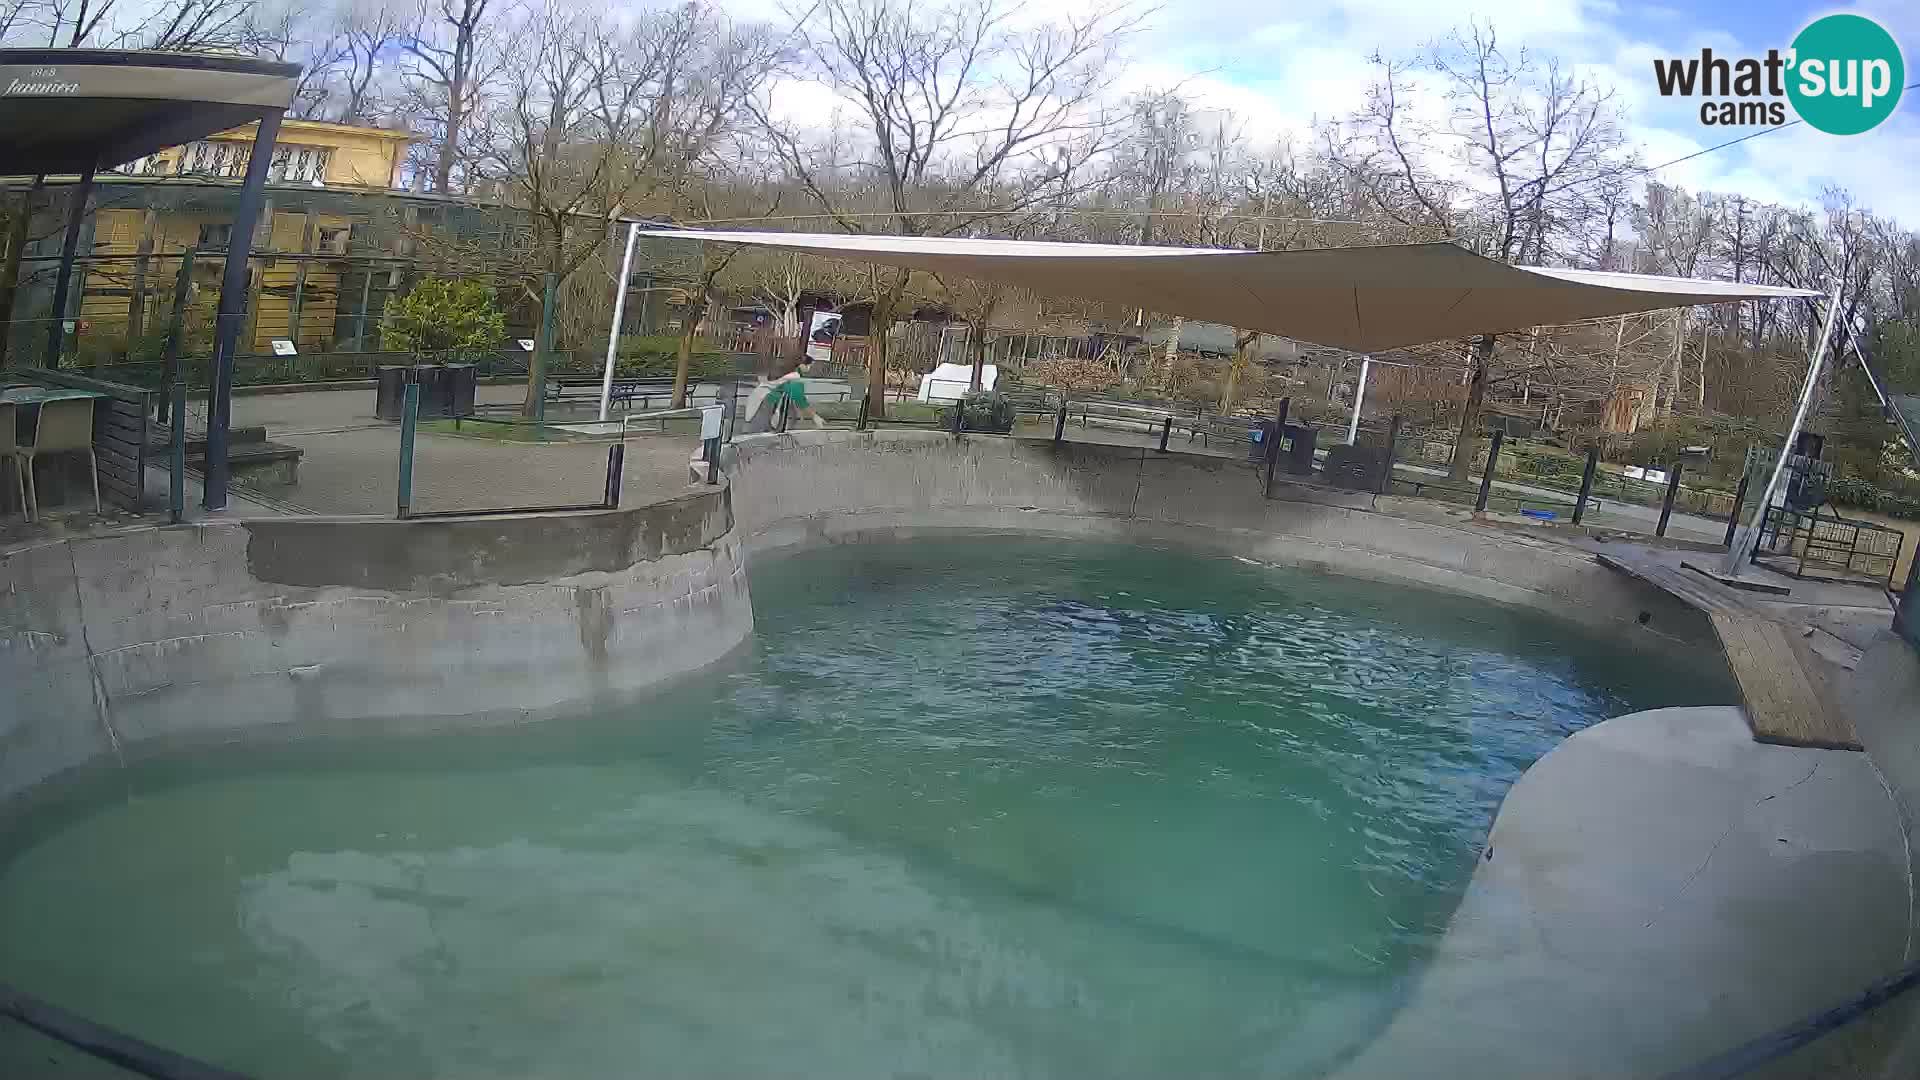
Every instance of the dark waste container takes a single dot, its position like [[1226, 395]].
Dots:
[[1297, 451], [390, 391], [433, 388], [462, 380]]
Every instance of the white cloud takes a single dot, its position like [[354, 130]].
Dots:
[[1281, 70]]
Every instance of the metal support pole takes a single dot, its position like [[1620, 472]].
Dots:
[[1666, 504], [176, 322], [69, 248], [1166, 429], [713, 460], [1359, 395], [366, 302], [860, 422], [616, 464], [233, 310], [959, 418], [1743, 542], [1273, 447], [1486, 478], [177, 453], [1586, 483], [1386, 467], [619, 312], [1739, 500], [1060, 423], [409, 419]]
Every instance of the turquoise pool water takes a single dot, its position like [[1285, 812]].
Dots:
[[968, 807]]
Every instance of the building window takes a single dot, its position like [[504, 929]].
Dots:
[[214, 159], [290, 165], [332, 240], [299, 164], [215, 237]]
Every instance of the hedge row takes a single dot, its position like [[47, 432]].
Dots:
[[1855, 492]]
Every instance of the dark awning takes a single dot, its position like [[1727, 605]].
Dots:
[[65, 110]]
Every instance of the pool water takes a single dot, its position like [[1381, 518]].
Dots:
[[972, 806]]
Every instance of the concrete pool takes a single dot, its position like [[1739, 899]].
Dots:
[[1583, 946], [966, 805]]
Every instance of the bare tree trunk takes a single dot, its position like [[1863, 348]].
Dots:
[[1467, 441], [1242, 355], [978, 343], [881, 322], [1703, 368], [683, 360], [1673, 365], [17, 224], [1173, 345]]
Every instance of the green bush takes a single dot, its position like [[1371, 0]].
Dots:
[[986, 410], [443, 315], [655, 356], [1849, 490]]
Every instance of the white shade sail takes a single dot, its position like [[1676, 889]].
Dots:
[[1360, 298]]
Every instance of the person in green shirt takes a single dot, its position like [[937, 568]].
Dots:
[[790, 387]]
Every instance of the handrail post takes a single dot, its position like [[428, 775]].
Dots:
[[1273, 450], [1586, 483], [1386, 466], [1166, 429], [616, 464], [1666, 504], [177, 452], [409, 419], [1739, 500], [1486, 478], [1060, 422], [866, 403]]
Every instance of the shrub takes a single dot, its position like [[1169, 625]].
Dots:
[[1849, 490], [443, 315], [985, 410]]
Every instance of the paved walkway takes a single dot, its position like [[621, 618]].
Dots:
[[351, 460]]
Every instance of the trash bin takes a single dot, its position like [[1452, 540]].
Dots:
[[1257, 436], [433, 389], [462, 380], [1298, 449], [390, 391]]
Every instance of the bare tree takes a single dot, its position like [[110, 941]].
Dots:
[[598, 120], [453, 54], [1533, 140], [965, 121]]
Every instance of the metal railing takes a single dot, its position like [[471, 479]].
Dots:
[[97, 1040], [1803, 538]]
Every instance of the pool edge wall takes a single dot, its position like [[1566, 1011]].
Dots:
[[114, 644], [808, 488]]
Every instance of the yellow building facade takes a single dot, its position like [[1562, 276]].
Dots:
[[297, 297]]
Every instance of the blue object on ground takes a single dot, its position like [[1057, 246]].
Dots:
[[1543, 515]]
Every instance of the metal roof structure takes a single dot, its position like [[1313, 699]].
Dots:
[[68, 110]]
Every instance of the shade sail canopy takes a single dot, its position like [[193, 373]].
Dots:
[[1360, 298], [65, 110]]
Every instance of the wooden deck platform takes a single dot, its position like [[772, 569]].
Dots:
[[1781, 699]]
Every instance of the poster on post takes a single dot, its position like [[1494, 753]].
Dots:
[[823, 328]]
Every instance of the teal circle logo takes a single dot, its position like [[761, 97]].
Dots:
[[1846, 74]]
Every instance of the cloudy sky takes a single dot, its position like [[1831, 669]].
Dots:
[[1280, 69]]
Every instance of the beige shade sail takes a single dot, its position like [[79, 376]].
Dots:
[[1360, 298]]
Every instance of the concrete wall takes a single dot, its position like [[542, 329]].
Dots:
[[813, 487], [310, 626]]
